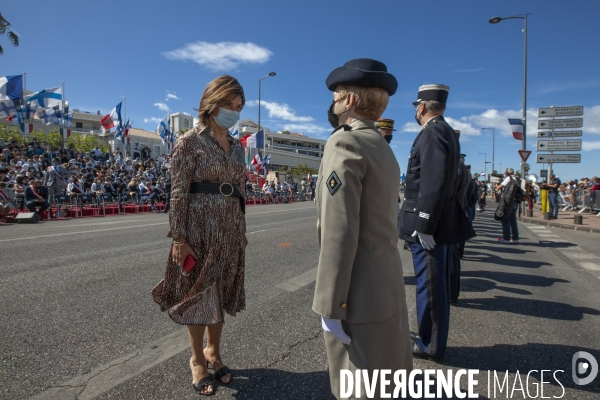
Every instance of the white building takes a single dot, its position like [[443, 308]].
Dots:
[[287, 148]]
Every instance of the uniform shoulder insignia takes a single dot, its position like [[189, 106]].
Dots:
[[333, 183]]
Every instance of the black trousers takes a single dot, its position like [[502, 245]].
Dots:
[[455, 272], [31, 205]]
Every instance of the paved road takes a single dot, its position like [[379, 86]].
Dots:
[[77, 319]]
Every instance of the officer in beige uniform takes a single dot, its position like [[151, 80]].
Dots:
[[360, 286]]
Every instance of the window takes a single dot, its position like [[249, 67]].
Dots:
[[79, 125], [186, 123]]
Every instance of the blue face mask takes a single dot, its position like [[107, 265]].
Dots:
[[227, 118]]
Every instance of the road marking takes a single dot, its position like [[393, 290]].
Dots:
[[105, 377], [80, 232], [579, 255], [299, 281], [537, 228], [276, 211], [590, 265]]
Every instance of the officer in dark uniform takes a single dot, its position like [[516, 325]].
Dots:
[[430, 216], [386, 128]]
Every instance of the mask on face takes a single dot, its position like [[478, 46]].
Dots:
[[388, 138], [227, 118], [417, 116], [333, 118]]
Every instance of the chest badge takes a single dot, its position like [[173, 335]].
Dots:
[[333, 183]]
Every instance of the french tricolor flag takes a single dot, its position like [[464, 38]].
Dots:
[[112, 118], [517, 128]]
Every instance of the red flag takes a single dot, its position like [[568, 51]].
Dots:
[[244, 140]]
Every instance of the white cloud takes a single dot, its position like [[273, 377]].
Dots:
[[162, 106], [410, 127], [222, 56], [171, 96], [152, 119], [305, 128], [281, 111], [587, 146]]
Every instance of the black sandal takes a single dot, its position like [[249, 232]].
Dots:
[[222, 372], [203, 384]]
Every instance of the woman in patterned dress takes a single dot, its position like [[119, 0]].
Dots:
[[209, 226]]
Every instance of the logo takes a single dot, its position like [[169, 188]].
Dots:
[[582, 368]]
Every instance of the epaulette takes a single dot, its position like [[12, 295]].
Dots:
[[345, 127]]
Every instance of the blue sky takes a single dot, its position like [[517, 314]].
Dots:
[[162, 54]]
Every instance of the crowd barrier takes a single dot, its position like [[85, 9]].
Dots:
[[585, 200], [102, 205]]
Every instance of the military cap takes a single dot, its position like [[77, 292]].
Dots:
[[432, 92], [363, 72], [385, 123]]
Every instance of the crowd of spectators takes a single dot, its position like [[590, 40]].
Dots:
[[93, 172]]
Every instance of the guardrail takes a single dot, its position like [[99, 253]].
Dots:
[[582, 200]]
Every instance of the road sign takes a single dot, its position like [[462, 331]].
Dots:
[[560, 123], [558, 158], [560, 111], [524, 154], [544, 173], [558, 133], [559, 145]]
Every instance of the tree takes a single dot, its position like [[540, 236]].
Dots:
[[5, 29]]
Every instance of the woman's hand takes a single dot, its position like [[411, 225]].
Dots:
[[180, 252], [245, 240]]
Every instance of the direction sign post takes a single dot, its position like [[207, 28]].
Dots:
[[559, 145], [560, 123], [558, 158], [571, 111]]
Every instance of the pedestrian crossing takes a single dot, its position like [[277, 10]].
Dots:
[[577, 254]]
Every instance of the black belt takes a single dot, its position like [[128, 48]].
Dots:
[[225, 189]]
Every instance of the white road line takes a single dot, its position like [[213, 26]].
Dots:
[[80, 232], [579, 255], [547, 235], [276, 211], [537, 228], [299, 281], [105, 377], [590, 265]]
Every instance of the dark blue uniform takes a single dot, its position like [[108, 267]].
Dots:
[[431, 207]]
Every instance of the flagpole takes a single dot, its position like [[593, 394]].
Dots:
[[124, 118], [25, 98], [61, 121], [170, 133]]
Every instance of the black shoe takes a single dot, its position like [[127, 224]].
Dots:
[[418, 353], [453, 302], [414, 336]]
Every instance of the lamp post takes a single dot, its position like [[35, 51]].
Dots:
[[485, 163], [493, 144], [264, 136], [496, 20]]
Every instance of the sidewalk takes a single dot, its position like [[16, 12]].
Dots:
[[565, 220]]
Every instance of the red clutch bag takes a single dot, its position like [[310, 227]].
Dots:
[[188, 264]]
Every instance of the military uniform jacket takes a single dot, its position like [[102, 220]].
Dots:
[[430, 204], [357, 198]]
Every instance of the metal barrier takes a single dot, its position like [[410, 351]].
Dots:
[[584, 200]]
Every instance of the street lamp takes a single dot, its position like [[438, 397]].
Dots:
[[493, 140], [496, 20], [264, 136], [485, 163]]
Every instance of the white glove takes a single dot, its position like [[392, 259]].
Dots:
[[426, 240], [334, 326]]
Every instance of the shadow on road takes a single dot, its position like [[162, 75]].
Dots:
[[274, 384], [530, 307], [514, 279]]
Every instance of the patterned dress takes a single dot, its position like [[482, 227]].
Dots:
[[213, 225]]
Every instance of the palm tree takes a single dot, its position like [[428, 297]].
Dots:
[[12, 37]]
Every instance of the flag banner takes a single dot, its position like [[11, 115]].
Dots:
[[112, 118], [48, 116], [7, 109], [257, 160], [255, 141], [482, 174], [244, 141], [234, 130], [26, 128], [66, 132], [47, 97], [517, 128], [11, 87], [267, 160], [164, 129]]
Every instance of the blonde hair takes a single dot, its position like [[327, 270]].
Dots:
[[216, 91], [371, 102]]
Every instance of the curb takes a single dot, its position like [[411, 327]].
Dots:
[[557, 225]]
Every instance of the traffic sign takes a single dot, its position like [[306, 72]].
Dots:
[[524, 154], [558, 145], [560, 123], [558, 133], [560, 111], [558, 158]]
